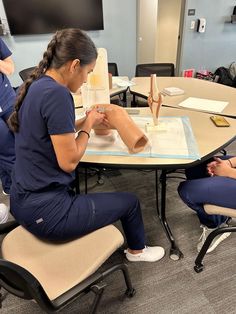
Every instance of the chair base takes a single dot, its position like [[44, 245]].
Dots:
[[8, 226], [198, 262]]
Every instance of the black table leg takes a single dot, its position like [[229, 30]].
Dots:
[[175, 252], [86, 180], [77, 181]]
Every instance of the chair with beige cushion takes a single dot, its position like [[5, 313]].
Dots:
[[214, 210], [55, 274]]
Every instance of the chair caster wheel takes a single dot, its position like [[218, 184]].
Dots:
[[130, 292], [100, 181], [175, 254], [198, 268]]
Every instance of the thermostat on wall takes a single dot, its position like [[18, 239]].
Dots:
[[173, 91]]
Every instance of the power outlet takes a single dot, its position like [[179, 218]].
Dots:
[[192, 25]]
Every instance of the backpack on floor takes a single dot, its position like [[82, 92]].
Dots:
[[224, 77], [232, 70]]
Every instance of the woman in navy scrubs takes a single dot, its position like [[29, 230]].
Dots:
[[212, 182], [7, 99], [47, 153]]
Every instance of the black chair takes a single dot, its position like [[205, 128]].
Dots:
[[54, 274], [160, 69], [146, 69], [113, 69], [24, 74], [121, 100], [214, 210], [8, 226]]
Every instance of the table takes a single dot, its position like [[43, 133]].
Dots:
[[192, 87], [114, 91], [118, 90], [210, 140]]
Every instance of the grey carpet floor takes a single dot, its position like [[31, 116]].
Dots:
[[166, 286]]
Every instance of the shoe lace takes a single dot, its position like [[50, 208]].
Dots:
[[204, 233]]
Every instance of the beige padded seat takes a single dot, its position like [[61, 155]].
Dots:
[[218, 210], [59, 267]]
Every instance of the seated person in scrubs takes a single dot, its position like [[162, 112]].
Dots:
[[212, 182], [7, 150], [47, 153]]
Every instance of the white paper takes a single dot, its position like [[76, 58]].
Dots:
[[116, 80], [202, 104]]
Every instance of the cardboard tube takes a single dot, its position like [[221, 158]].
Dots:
[[129, 132]]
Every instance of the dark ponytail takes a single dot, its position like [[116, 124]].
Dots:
[[66, 45]]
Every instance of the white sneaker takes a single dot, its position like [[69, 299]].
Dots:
[[4, 213], [216, 241], [149, 254], [4, 193]]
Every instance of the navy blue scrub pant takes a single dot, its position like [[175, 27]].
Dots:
[[200, 189], [7, 155], [62, 215]]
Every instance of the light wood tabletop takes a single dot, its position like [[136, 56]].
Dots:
[[116, 88], [210, 139], [192, 88]]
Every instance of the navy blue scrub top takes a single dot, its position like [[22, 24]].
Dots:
[[47, 109], [7, 93]]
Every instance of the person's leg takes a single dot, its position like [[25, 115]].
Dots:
[[212, 190], [193, 193], [97, 210], [85, 214], [7, 155], [107, 208]]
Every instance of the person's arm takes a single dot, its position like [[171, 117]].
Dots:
[[68, 149], [7, 66], [221, 167], [79, 123], [232, 162]]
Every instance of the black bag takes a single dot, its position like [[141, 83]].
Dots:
[[224, 77]]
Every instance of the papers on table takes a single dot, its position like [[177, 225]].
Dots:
[[120, 82], [202, 104], [175, 139], [173, 91]]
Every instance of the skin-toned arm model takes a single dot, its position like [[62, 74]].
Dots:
[[129, 132]]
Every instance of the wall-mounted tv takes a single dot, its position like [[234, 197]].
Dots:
[[46, 16]]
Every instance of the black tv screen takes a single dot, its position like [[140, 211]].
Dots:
[[46, 16]]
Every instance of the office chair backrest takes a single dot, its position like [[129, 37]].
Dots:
[[160, 69], [24, 74], [113, 69]]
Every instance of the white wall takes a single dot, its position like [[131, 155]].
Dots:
[[146, 30], [215, 47], [118, 37], [167, 30]]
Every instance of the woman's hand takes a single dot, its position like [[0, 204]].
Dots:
[[101, 124], [219, 167], [95, 117]]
